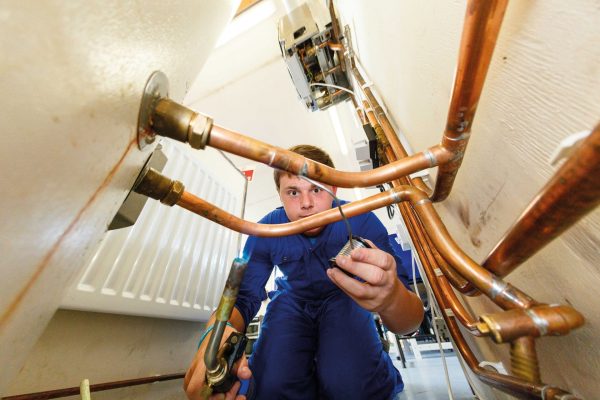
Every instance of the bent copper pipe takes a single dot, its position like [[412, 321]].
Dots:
[[296, 164], [482, 26], [443, 293], [394, 150], [173, 120], [502, 293], [573, 192]]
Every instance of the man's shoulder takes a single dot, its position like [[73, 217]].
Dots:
[[277, 216]]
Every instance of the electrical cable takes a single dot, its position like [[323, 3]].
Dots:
[[339, 206], [333, 86]]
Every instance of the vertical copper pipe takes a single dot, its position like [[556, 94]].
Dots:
[[482, 25], [573, 191]]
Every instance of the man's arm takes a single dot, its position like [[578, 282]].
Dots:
[[401, 310]]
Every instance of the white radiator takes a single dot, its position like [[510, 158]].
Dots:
[[171, 263]]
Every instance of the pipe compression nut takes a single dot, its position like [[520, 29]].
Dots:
[[155, 185], [171, 119]]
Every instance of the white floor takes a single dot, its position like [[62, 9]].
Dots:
[[424, 379]]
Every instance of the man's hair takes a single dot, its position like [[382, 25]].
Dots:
[[309, 151]]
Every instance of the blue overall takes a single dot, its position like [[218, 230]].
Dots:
[[315, 341]]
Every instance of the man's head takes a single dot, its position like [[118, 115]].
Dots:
[[299, 197]]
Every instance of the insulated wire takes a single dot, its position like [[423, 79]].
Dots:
[[339, 206], [333, 86]]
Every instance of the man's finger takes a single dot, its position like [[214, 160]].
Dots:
[[350, 286], [371, 274], [375, 257]]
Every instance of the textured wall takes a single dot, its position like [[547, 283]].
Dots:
[[543, 85], [72, 75]]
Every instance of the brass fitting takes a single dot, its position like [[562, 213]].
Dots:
[[177, 122], [153, 184]]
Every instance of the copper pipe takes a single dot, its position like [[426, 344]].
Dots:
[[74, 391], [214, 213], [443, 293], [480, 32], [540, 320], [516, 386], [393, 150], [173, 120], [502, 293], [573, 191], [296, 164], [524, 360], [513, 385]]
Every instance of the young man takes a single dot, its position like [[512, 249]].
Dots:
[[318, 339]]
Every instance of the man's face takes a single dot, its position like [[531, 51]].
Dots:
[[302, 199]]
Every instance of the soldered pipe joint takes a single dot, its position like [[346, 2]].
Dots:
[[155, 185], [171, 119]]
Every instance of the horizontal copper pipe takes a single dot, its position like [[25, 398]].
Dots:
[[74, 391], [480, 32], [541, 320], [276, 157], [573, 191]]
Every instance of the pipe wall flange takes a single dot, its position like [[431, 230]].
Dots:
[[157, 87]]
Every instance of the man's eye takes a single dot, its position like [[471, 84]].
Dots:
[[292, 193], [317, 190]]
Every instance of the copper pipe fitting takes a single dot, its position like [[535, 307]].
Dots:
[[541, 320], [482, 26], [573, 192], [524, 360], [171, 119]]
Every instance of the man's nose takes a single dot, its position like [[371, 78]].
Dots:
[[306, 200]]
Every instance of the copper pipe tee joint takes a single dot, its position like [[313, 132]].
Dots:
[[541, 320]]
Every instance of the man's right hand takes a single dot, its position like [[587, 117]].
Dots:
[[195, 378]]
